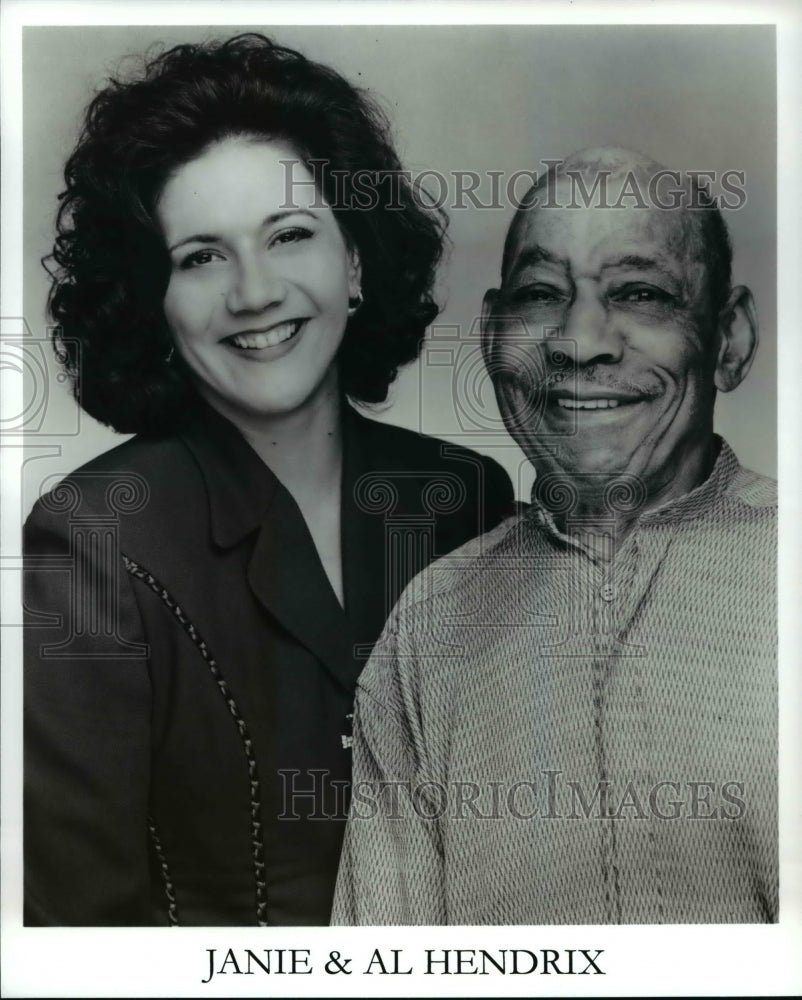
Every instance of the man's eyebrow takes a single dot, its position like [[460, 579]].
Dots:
[[537, 255], [267, 221], [657, 263]]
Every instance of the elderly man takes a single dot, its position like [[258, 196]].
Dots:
[[573, 718]]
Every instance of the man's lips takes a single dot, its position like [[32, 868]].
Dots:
[[595, 397], [271, 336], [588, 404]]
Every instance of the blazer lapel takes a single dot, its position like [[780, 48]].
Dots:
[[286, 575], [284, 571], [363, 541]]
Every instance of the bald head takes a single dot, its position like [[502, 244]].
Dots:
[[615, 179]]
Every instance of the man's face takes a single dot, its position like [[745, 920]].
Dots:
[[621, 344]]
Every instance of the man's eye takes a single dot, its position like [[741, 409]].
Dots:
[[293, 235], [537, 293], [641, 293], [200, 257]]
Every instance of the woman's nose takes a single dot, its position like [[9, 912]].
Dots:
[[255, 287]]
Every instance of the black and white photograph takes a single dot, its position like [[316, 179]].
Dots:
[[397, 582]]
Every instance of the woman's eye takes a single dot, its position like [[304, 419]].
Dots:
[[294, 235], [198, 258]]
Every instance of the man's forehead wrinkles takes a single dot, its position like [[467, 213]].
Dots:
[[639, 260], [649, 259]]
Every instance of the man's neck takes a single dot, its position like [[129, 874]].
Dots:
[[606, 510]]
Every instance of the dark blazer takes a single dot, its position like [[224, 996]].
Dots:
[[189, 672]]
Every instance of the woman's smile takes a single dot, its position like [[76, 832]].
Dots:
[[261, 343]]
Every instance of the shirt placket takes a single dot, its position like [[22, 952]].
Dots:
[[610, 584], [599, 593], [623, 746]]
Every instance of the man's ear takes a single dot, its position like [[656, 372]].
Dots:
[[737, 330], [488, 337]]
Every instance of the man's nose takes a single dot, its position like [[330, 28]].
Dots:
[[591, 331], [256, 286]]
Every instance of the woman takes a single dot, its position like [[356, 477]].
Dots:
[[202, 597]]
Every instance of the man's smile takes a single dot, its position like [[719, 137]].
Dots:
[[588, 396], [588, 404]]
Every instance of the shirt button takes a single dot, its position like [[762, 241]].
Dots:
[[607, 592]]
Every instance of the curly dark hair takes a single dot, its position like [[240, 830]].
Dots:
[[112, 265]]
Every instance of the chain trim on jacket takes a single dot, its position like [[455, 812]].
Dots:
[[257, 839], [169, 888]]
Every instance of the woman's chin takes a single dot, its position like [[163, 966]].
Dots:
[[272, 402]]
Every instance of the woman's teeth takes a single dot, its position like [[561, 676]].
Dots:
[[271, 338], [588, 404]]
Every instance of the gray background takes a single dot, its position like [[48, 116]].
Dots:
[[475, 98]]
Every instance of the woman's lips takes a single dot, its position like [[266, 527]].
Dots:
[[257, 340]]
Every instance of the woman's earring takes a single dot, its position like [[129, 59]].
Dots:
[[169, 356], [354, 302]]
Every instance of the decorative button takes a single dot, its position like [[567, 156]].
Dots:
[[607, 592]]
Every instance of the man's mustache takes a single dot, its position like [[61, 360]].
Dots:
[[595, 376]]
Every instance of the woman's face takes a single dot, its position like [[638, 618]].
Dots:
[[258, 294]]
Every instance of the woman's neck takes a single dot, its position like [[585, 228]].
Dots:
[[303, 449]]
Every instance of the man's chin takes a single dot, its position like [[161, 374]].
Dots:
[[594, 463], [594, 479]]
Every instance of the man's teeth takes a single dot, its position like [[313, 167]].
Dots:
[[255, 341], [588, 404]]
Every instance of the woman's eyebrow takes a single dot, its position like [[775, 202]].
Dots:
[[267, 221]]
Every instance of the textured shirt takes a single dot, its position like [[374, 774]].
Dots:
[[544, 736]]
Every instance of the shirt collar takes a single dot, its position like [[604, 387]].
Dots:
[[705, 496]]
